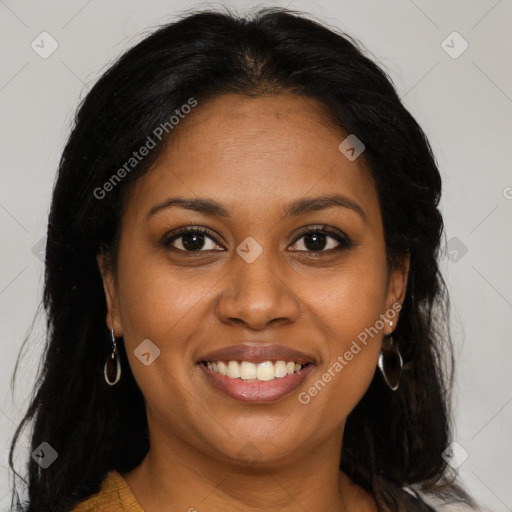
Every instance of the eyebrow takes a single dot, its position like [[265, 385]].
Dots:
[[295, 208]]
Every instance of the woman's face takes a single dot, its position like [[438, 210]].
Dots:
[[254, 280]]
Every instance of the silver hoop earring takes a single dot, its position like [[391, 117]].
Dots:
[[112, 368], [390, 362]]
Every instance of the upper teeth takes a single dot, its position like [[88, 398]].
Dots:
[[261, 371]]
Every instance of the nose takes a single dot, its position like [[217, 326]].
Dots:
[[257, 294]]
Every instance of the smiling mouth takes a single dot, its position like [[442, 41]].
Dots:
[[247, 371], [258, 382]]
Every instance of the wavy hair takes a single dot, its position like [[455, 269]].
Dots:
[[393, 441]]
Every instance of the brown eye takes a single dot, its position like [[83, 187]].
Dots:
[[322, 240], [191, 240]]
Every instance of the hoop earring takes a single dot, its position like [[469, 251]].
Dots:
[[112, 368], [390, 362]]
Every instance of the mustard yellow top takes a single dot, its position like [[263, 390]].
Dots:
[[114, 496]]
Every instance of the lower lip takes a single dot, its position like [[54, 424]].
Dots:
[[257, 391]]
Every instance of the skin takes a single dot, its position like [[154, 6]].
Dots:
[[254, 156]]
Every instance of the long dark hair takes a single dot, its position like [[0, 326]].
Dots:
[[393, 440]]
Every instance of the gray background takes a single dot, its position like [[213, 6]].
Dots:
[[464, 104]]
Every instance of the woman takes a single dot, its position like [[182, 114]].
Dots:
[[244, 228]]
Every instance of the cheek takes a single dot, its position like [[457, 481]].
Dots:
[[339, 387], [350, 357], [161, 306], [352, 297], [156, 302], [349, 303]]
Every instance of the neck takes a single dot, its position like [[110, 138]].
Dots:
[[177, 476]]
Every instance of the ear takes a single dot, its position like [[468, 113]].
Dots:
[[109, 286], [397, 288]]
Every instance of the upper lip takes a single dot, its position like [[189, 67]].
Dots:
[[257, 353]]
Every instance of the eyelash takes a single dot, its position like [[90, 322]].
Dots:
[[343, 240]]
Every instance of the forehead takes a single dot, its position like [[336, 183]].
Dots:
[[253, 155]]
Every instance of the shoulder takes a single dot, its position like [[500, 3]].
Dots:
[[458, 507], [453, 507], [114, 496], [442, 506]]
